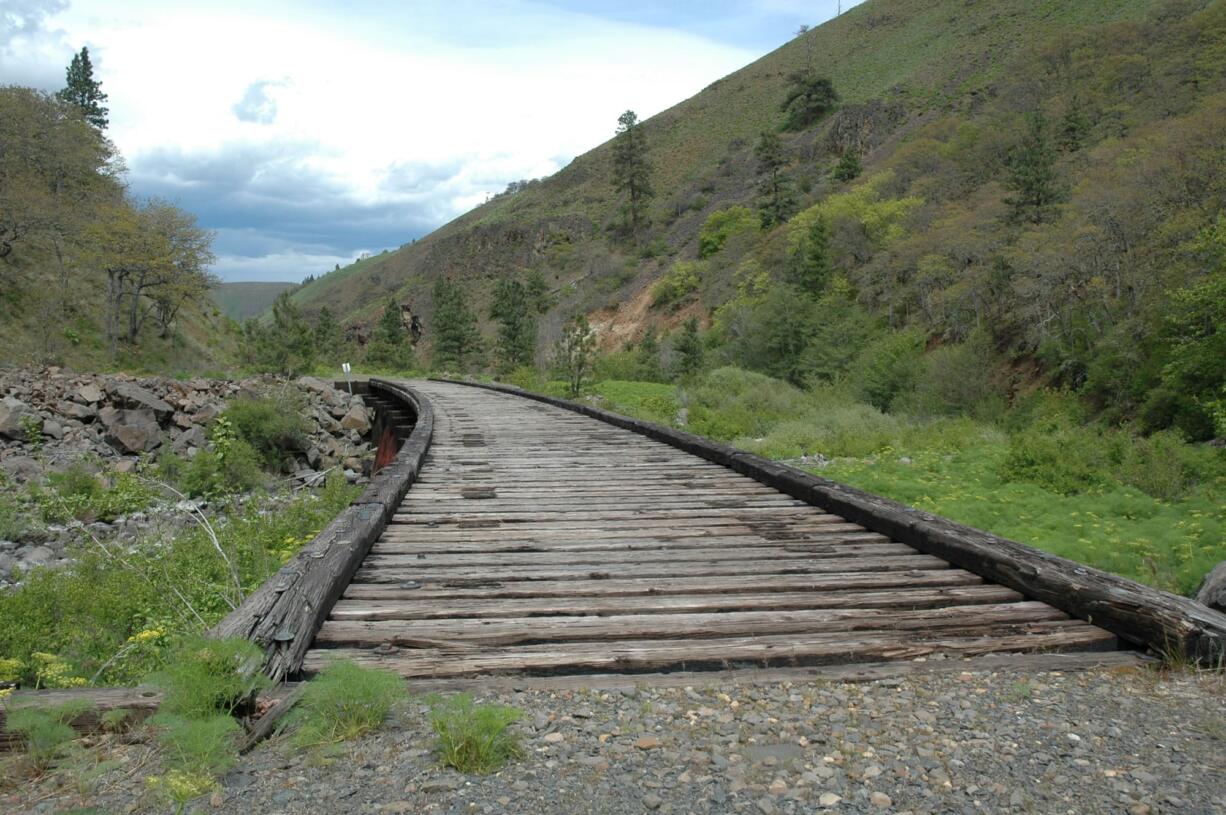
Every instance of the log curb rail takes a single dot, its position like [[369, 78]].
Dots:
[[1167, 624], [284, 614]]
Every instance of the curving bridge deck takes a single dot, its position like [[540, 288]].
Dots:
[[536, 540]]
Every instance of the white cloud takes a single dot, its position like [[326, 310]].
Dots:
[[419, 105]]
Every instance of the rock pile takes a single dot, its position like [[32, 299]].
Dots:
[[52, 418]]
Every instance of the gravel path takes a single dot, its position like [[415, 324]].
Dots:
[[1124, 741]]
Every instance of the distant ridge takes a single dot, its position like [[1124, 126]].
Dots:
[[242, 301]]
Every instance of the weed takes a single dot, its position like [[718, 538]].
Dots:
[[32, 429], [345, 701], [202, 745], [1020, 691], [116, 720], [47, 730], [273, 427], [206, 676], [473, 738], [77, 493]]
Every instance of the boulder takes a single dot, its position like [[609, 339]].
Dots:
[[131, 395], [53, 429], [131, 431], [22, 468], [356, 419], [12, 411], [1212, 591], [89, 394], [206, 414], [194, 437], [72, 410]]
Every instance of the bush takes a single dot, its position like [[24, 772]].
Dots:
[[678, 283], [344, 702], [473, 738], [887, 368], [206, 676], [723, 224], [956, 380], [273, 427], [214, 474], [47, 731], [77, 493]]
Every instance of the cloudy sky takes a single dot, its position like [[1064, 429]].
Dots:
[[307, 132]]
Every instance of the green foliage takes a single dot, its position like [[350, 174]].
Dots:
[[274, 427], [653, 401], [863, 219], [848, 168], [515, 312], [229, 469], [810, 266], [809, 98], [1074, 127], [688, 350], [777, 332], [473, 738], [647, 358], [77, 493], [46, 731], [343, 702], [1196, 371], [84, 92], [679, 282], [118, 613], [888, 367], [389, 349], [957, 380], [205, 676], [631, 169], [721, 225], [1032, 174], [285, 345], [776, 196], [457, 342], [202, 746], [573, 355]]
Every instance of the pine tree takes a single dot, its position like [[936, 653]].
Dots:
[[1074, 127], [516, 313], [647, 358], [1032, 174], [457, 342], [631, 170], [809, 98], [848, 167], [329, 339], [689, 349], [776, 199], [84, 92], [810, 266]]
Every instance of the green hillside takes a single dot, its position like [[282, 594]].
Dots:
[[240, 301]]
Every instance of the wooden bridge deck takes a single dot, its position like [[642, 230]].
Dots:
[[539, 541]]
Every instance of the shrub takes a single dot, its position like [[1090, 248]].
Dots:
[[887, 367], [678, 283], [213, 474], [473, 738], [721, 225], [956, 380], [344, 702], [77, 493], [206, 676], [273, 427], [47, 731], [203, 746]]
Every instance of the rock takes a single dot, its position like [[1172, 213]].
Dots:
[[12, 411], [828, 799], [1212, 591], [313, 384], [652, 801], [133, 396], [880, 800], [356, 419], [131, 431], [22, 468], [314, 457], [206, 414], [126, 465], [647, 743], [72, 410], [36, 556], [53, 429], [89, 394], [193, 437], [554, 738]]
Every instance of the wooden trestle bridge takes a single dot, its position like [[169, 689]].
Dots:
[[514, 537]]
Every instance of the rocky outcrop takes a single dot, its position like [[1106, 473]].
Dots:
[[1212, 591], [118, 418]]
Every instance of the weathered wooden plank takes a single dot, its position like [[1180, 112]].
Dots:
[[435, 590], [404, 607], [699, 625], [142, 701], [583, 543], [784, 649]]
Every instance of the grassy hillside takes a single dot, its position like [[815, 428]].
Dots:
[[240, 301], [928, 56]]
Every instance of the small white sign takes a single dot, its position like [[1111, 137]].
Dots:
[[345, 367]]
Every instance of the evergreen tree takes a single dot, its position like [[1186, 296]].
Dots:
[[85, 92], [848, 167], [689, 349], [328, 334], [389, 347], [284, 346], [538, 291], [809, 98], [1074, 127], [810, 266], [776, 198], [457, 342], [631, 170], [647, 358], [516, 314], [1032, 174]]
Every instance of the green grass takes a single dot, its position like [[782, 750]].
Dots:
[[473, 738], [1152, 510], [344, 702]]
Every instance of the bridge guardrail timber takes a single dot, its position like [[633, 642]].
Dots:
[[1166, 623], [284, 614]]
